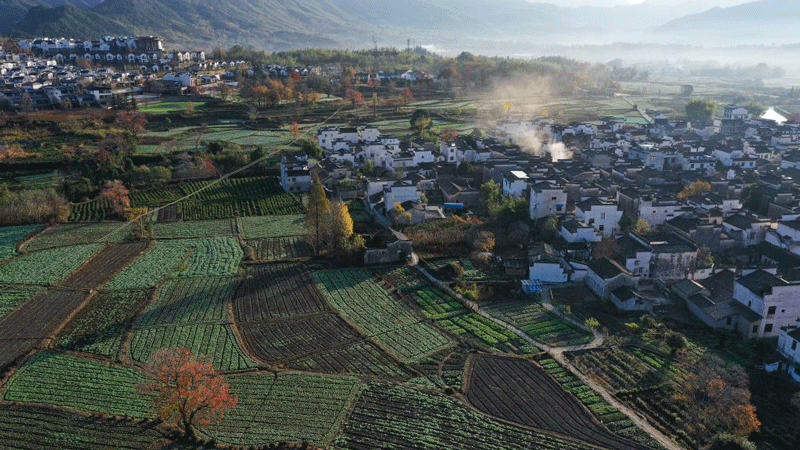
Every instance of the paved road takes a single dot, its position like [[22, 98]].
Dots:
[[557, 353]]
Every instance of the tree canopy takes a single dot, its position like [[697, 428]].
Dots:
[[188, 391], [701, 111]]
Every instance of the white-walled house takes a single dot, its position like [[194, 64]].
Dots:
[[399, 192], [515, 183], [775, 299], [295, 175], [657, 211], [746, 229], [573, 231], [603, 215], [547, 199], [786, 235], [789, 347], [605, 275]]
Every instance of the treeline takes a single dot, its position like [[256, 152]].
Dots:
[[32, 206]]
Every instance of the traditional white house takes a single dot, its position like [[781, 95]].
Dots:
[[775, 299], [573, 231], [605, 275], [295, 175], [657, 211], [603, 215], [789, 347], [746, 229], [547, 199]]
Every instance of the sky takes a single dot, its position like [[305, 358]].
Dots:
[[705, 3]]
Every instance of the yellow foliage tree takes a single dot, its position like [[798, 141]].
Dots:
[[340, 225], [319, 208], [696, 188], [641, 227]]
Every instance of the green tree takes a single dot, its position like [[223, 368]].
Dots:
[[318, 215], [490, 196], [312, 149], [420, 120], [755, 109], [701, 111]]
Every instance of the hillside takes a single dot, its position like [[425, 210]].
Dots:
[[749, 21]]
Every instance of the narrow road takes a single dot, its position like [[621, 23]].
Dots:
[[557, 353]]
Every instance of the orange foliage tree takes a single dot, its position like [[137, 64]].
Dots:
[[295, 129], [188, 391], [133, 122], [117, 194], [696, 188], [715, 396], [356, 97]]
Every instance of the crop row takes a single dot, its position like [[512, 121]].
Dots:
[[11, 297], [255, 227], [46, 267], [149, 269], [286, 407], [545, 326], [403, 278], [95, 210], [78, 233], [98, 327], [404, 418], [376, 313], [33, 428], [282, 248], [198, 228], [10, 236], [215, 340], [190, 301], [73, 382], [601, 409], [210, 257]]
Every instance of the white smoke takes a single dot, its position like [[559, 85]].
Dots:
[[559, 151]]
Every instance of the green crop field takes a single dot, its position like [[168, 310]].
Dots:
[[200, 228], [78, 383], [99, 326], [404, 418], [376, 313], [46, 267], [210, 257], [254, 227], [11, 297], [78, 233], [146, 271], [287, 407], [33, 427], [186, 301], [10, 236], [543, 325], [211, 339], [168, 107]]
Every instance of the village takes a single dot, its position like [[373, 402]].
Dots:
[[709, 216]]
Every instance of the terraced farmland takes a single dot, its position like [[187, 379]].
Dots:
[[516, 390], [104, 264], [284, 319], [46, 267], [198, 228], [77, 234], [146, 271], [34, 428], [287, 407], [372, 310], [281, 248], [404, 418], [210, 257], [255, 227], [543, 325], [99, 327], [11, 236]]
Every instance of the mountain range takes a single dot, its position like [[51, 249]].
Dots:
[[280, 24]]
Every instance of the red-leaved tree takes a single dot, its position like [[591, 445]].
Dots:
[[117, 194], [188, 391]]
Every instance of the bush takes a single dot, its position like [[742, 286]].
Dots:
[[725, 441]]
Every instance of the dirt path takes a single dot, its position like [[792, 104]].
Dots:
[[557, 353]]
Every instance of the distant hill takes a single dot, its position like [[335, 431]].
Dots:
[[764, 20], [493, 27]]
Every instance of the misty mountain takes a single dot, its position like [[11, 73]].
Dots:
[[763, 20]]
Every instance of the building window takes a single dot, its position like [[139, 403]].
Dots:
[[602, 216], [768, 328], [755, 328], [552, 198], [728, 322], [770, 310], [794, 345]]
